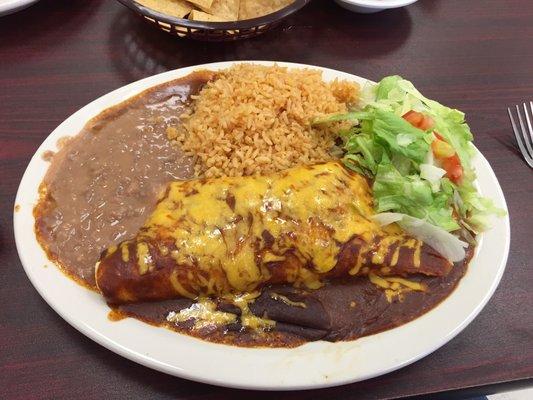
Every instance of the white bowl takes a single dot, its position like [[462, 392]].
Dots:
[[372, 6]]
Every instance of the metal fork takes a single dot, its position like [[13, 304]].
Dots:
[[524, 137]]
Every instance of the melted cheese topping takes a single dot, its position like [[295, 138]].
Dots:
[[204, 314], [111, 250], [248, 319], [143, 258], [395, 287], [220, 224], [287, 301], [125, 252]]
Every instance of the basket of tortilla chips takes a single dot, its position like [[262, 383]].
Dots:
[[215, 20]]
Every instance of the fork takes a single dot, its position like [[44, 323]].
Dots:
[[524, 137]]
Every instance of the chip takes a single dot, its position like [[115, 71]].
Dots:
[[175, 8], [202, 16], [227, 9], [203, 4], [257, 8]]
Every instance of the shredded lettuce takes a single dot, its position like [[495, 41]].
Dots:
[[413, 196], [397, 156]]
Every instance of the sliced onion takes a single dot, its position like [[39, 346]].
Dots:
[[457, 199], [387, 218], [432, 174], [448, 245]]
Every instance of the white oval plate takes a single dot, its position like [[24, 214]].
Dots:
[[313, 365], [12, 6]]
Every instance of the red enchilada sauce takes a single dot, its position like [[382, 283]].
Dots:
[[104, 182], [341, 310]]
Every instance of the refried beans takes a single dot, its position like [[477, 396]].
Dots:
[[104, 182]]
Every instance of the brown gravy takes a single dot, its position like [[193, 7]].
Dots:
[[103, 182]]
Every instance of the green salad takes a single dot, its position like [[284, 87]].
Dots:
[[418, 154]]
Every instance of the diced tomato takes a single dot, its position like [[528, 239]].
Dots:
[[413, 117], [448, 158], [438, 136], [419, 120], [453, 168], [427, 123], [441, 149]]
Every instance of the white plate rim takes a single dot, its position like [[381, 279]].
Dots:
[[12, 6], [314, 365], [377, 5]]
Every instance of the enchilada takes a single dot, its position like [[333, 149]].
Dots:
[[213, 237]]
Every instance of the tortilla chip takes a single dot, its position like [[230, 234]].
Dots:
[[175, 8], [258, 8], [202, 16], [203, 4], [227, 9]]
